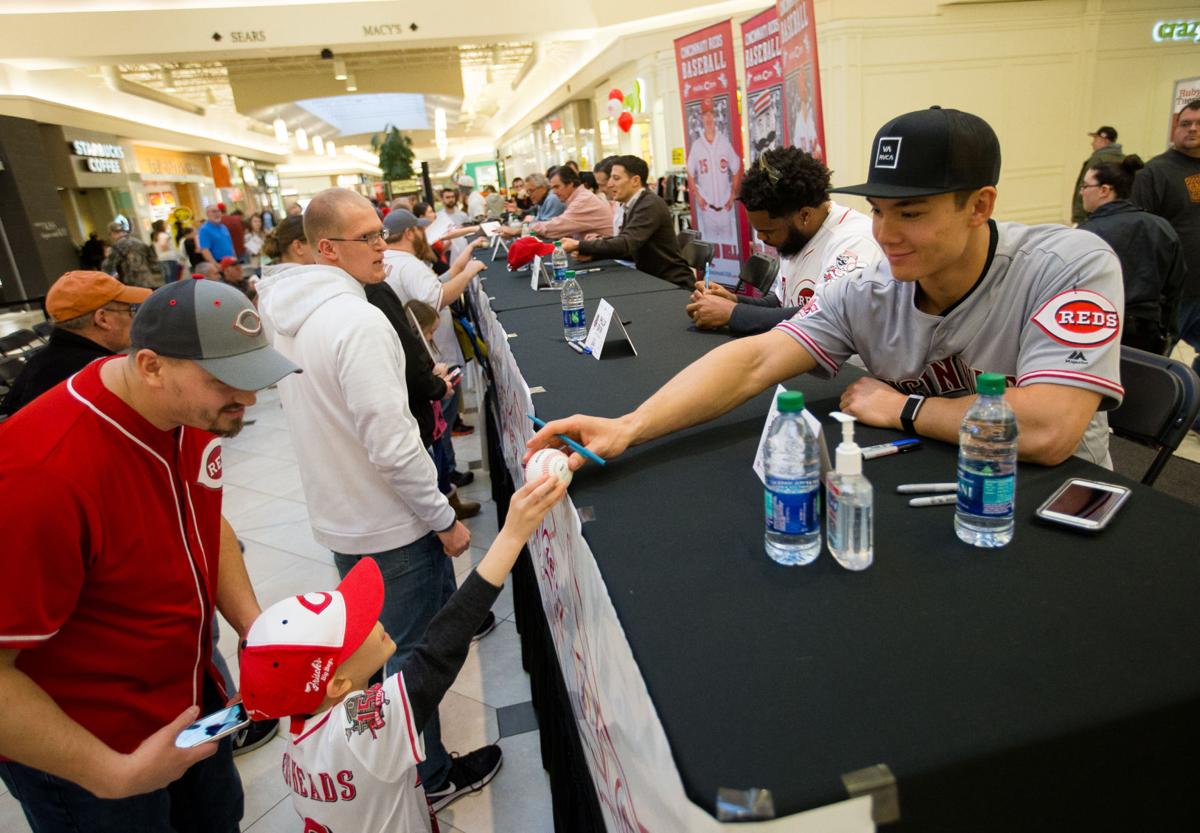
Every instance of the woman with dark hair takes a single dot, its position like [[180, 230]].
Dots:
[[285, 245], [1150, 252]]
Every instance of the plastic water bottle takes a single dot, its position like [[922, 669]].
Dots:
[[987, 467], [792, 498], [559, 260], [574, 318]]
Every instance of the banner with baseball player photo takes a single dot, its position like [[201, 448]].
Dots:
[[763, 60], [708, 92], [802, 77]]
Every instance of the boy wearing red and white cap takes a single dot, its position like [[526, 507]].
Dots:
[[352, 760]]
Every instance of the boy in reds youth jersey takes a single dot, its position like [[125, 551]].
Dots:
[[352, 761], [956, 295], [716, 175]]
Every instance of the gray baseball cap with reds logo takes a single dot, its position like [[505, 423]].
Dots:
[[928, 152], [214, 325]]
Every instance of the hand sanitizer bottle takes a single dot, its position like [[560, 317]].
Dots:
[[849, 504]]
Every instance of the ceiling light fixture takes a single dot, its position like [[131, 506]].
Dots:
[[339, 69], [301, 138], [330, 149], [281, 131], [318, 145], [351, 83]]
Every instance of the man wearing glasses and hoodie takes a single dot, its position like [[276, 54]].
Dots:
[[370, 485]]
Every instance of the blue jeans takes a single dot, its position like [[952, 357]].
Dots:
[[443, 465], [1189, 331], [418, 579], [207, 799], [450, 414]]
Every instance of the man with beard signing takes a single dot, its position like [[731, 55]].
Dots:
[[786, 194]]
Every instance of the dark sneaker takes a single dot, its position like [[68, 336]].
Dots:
[[461, 429], [488, 625], [462, 478], [254, 736], [467, 774]]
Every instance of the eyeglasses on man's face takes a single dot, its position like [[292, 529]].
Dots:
[[371, 238], [129, 308]]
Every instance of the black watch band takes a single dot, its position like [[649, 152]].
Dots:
[[908, 414]]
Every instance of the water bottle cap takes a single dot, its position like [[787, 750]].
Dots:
[[557, 244], [570, 273], [790, 402], [990, 384]]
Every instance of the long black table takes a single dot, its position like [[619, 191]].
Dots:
[[510, 290], [1051, 684]]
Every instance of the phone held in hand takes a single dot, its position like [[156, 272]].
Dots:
[[213, 727], [1084, 504]]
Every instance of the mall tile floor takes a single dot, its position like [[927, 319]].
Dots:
[[489, 702]]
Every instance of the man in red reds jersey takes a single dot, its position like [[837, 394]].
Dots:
[[115, 554]]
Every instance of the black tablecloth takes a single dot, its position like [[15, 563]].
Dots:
[[1051, 684], [510, 290]]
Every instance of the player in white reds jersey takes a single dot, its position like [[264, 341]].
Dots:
[[716, 176], [352, 761], [957, 295], [786, 195]]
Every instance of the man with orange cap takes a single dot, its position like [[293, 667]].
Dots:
[[92, 313]]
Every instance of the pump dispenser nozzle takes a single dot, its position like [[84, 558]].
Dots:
[[849, 455]]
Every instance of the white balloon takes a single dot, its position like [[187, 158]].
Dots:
[[615, 107], [548, 461]]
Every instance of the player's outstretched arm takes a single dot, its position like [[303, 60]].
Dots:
[[716, 383]]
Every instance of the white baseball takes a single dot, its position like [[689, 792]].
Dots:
[[548, 461]]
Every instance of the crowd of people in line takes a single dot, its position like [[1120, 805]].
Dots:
[[354, 318]]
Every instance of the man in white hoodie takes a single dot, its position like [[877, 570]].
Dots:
[[370, 486]]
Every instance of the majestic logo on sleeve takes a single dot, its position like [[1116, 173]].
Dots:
[[1079, 318], [210, 465], [364, 712]]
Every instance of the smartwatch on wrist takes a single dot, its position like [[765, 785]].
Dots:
[[908, 414]]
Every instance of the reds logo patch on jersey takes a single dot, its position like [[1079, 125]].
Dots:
[[210, 465], [1079, 317], [843, 265], [364, 712]]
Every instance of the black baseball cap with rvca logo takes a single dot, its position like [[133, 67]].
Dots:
[[934, 151]]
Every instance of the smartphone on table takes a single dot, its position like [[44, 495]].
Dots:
[[1089, 505], [213, 727]]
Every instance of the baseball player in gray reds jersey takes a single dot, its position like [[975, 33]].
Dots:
[[958, 294]]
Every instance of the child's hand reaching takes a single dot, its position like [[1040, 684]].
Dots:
[[530, 504], [525, 511]]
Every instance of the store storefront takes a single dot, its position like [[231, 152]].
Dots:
[[92, 175], [173, 185]]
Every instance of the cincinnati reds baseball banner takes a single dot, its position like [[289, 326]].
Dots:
[[763, 60], [636, 780], [708, 92], [802, 78]]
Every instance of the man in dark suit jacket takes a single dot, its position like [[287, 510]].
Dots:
[[647, 236]]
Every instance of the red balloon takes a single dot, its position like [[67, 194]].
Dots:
[[616, 93], [625, 121]]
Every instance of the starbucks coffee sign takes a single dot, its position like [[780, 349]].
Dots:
[[99, 158]]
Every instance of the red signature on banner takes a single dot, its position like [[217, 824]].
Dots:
[[560, 606]]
